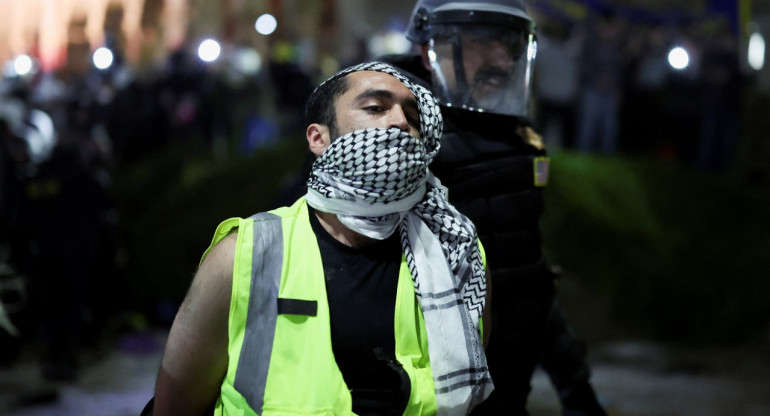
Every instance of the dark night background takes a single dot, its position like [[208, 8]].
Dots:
[[663, 249]]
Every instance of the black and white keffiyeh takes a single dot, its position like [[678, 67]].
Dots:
[[376, 181]]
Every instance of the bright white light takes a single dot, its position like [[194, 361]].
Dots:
[[678, 58], [397, 43], [22, 65], [532, 49], [248, 61], [102, 58], [209, 50], [757, 51], [391, 42], [266, 24], [40, 136]]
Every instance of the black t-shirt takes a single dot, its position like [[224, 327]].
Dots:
[[361, 285]]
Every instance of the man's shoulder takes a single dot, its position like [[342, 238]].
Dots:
[[217, 262]]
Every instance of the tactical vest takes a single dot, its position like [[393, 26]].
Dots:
[[280, 350], [495, 170]]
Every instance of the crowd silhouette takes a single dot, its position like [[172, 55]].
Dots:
[[606, 85]]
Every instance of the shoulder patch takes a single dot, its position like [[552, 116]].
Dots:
[[531, 137]]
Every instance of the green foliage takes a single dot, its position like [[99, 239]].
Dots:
[[172, 201], [679, 254]]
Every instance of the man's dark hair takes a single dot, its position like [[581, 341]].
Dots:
[[320, 106]]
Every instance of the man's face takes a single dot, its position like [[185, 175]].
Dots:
[[373, 100], [379, 100], [488, 59]]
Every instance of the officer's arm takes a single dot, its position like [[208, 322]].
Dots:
[[195, 360], [487, 315]]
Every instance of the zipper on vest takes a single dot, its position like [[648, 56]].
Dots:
[[406, 383]]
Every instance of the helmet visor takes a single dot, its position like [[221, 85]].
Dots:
[[482, 68]]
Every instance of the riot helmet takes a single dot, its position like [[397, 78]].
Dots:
[[481, 53]]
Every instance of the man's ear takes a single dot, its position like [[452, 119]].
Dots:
[[424, 52], [318, 138]]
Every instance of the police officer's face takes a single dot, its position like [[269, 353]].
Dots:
[[373, 100], [488, 64], [488, 60]]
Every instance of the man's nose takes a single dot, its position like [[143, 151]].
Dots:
[[397, 118], [499, 53]]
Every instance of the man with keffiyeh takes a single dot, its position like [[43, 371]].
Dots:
[[364, 297]]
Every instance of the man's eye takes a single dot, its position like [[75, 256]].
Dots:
[[374, 108]]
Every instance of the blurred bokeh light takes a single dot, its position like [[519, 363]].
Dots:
[[22, 65], [757, 51], [209, 50], [678, 58], [103, 58], [266, 24]]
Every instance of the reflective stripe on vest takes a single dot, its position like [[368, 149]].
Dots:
[[266, 258]]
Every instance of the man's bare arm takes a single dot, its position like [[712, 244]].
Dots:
[[195, 360]]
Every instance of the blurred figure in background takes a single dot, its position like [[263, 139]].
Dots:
[[292, 86], [720, 99], [556, 83], [477, 57], [647, 75], [601, 88], [14, 157], [59, 223]]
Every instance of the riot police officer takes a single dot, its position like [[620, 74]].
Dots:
[[477, 57]]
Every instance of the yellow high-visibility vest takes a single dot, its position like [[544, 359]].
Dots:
[[280, 349]]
